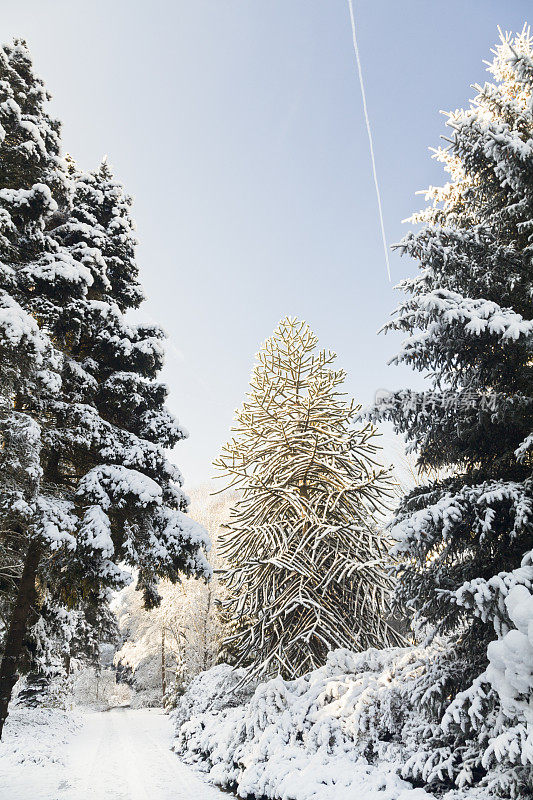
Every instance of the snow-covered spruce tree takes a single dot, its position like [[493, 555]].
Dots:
[[97, 230], [84, 481], [306, 560], [100, 233], [466, 540]]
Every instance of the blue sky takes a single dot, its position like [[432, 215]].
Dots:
[[238, 128]]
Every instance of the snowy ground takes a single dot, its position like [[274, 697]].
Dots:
[[121, 754]]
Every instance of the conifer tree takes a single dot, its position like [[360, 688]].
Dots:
[[100, 234], [85, 485], [465, 539], [306, 559]]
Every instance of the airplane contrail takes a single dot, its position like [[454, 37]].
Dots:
[[370, 140]]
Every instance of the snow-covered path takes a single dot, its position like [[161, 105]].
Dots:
[[121, 754]]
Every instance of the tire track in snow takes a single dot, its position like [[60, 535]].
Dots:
[[124, 755]]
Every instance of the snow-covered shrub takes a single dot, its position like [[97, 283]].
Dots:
[[365, 721], [351, 724], [217, 689]]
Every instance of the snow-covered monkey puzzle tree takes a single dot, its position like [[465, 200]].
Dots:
[[465, 541], [306, 558], [84, 482]]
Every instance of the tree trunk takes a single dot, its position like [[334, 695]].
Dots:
[[207, 660], [163, 670], [17, 628]]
